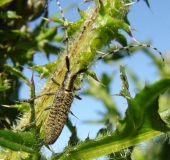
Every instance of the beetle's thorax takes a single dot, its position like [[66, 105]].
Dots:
[[68, 82]]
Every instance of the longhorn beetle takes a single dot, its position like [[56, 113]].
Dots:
[[64, 95]]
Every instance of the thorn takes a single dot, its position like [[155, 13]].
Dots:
[[85, 1], [6, 106], [26, 67], [97, 80], [133, 29], [134, 39], [100, 52], [32, 77], [79, 10], [48, 20], [74, 115], [88, 139], [128, 4], [102, 84]]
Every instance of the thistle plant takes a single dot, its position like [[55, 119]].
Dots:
[[88, 37]]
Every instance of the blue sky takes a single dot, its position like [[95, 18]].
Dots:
[[149, 24]]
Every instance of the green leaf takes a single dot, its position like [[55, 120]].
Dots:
[[3, 88], [92, 75], [21, 107], [45, 70], [17, 73], [4, 2], [47, 33], [24, 141], [121, 39], [142, 122], [9, 15]]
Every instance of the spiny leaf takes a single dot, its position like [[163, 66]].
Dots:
[[92, 74], [142, 122], [47, 33], [17, 73], [22, 107], [45, 70], [18, 141]]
